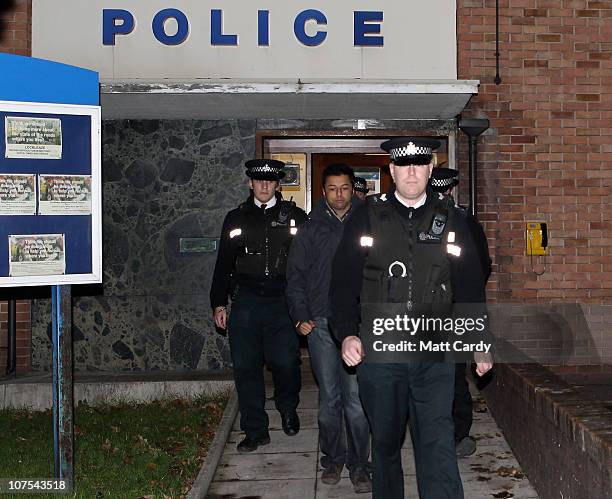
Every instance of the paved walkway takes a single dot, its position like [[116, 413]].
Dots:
[[289, 467]]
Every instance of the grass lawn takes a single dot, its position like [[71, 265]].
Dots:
[[129, 451]]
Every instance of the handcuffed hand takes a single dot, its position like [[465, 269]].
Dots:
[[305, 328], [220, 317], [484, 362], [352, 351]]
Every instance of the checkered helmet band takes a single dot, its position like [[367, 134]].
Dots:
[[443, 182], [264, 169], [409, 150], [360, 185]]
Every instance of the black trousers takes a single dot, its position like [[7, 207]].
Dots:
[[424, 391], [260, 331], [462, 405]]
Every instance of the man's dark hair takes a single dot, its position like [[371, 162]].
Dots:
[[337, 169]]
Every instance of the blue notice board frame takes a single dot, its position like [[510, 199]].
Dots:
[[81, 153]]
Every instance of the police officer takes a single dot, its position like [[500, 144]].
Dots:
[[444, 180], [361, 188], [417, 231], [251, 263]]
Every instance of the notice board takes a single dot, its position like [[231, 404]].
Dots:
[[50, 194]]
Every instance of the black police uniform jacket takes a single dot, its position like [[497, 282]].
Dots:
[[253, 249], [385, 231]]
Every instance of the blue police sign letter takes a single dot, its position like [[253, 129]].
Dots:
[[216, 30], [263, 28], [110, 28], [367, 23], [299, 27], [159, 29]]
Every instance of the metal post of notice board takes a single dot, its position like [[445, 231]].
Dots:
[[63, 400]]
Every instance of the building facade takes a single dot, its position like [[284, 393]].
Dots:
[[172, 175]]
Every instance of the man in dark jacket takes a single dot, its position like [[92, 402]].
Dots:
[[250, 267], [308, 277]]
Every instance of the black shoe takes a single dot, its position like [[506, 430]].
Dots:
[[465, 447], [291, 423], [360, 478], [331, 474], [249, 444]]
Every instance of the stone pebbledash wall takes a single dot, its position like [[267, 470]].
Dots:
[[162, 180]]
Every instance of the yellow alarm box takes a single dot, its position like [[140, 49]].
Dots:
[[536, 236]]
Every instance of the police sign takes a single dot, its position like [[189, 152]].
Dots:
[[121, 22], [273, 40]]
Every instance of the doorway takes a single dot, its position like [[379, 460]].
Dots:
[[306, 155]]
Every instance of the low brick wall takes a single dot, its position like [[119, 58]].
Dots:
[[562, 440]]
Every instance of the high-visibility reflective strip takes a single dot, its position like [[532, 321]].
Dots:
[[235, 233], [293, 231], [453, 249], [366, 241], [451, 237], [292, 222]]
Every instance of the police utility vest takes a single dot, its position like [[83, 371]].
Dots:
[[407, 261], [263, 244]]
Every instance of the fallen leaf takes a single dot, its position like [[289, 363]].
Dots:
[[480, 469], [152, 466], [106, 444], [510, 471]]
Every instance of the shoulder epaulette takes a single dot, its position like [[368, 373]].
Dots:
[[376, 199]]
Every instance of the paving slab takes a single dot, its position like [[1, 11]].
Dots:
[[305, 441], [309, 399], [289, 466], [253, 467], [256, 489]]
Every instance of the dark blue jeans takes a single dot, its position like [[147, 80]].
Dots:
[[424, 391], [260, 331], [338, 397]]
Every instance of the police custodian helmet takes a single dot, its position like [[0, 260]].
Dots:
[[443, 179], [410, 150], [265, 169], [361, 185]]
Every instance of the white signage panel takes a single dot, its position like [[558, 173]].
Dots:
[[272, 40]]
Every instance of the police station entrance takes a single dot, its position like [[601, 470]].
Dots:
[[306, 156]]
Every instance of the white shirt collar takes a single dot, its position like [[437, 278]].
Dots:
[[269, 204], [416, 205]]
